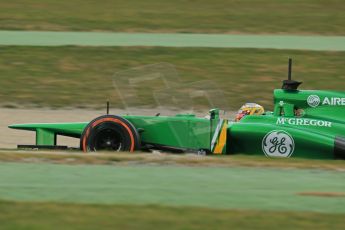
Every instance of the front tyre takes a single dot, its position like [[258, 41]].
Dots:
[[109, 133]]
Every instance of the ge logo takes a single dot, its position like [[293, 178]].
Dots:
[[313, 100], [278, 143]]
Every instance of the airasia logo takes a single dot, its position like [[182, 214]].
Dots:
[[278, 143]]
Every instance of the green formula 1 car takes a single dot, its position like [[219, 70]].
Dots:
[[304, 123]]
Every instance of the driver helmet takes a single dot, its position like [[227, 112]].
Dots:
[[249, 109]]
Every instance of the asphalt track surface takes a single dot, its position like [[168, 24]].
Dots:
[[217, 187], [35, 38]]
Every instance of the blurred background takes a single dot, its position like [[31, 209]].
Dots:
[[44, 82], [36, 73], [82, 76]]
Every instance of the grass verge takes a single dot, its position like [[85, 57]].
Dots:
[[84, 76], [30, 215], [218, 16], [71, 157]]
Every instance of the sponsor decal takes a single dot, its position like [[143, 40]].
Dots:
[[333, 101], [303, 122], [314, 101], [278, 143]]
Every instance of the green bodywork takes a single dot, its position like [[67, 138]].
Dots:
[[315, 130], [304, 123], [181, 131]]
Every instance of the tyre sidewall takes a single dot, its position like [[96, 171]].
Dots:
[[129, 134]]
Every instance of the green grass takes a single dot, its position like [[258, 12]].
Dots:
[[25, 215], [82, 76], [148, 191], [75, 157], [234, 187], [219, 16]]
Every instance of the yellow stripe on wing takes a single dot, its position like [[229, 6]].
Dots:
[[222, 139]]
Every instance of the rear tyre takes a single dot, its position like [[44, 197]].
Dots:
[[109, 133]]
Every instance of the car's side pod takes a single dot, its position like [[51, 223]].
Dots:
[[339, 148], [110, 132]]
